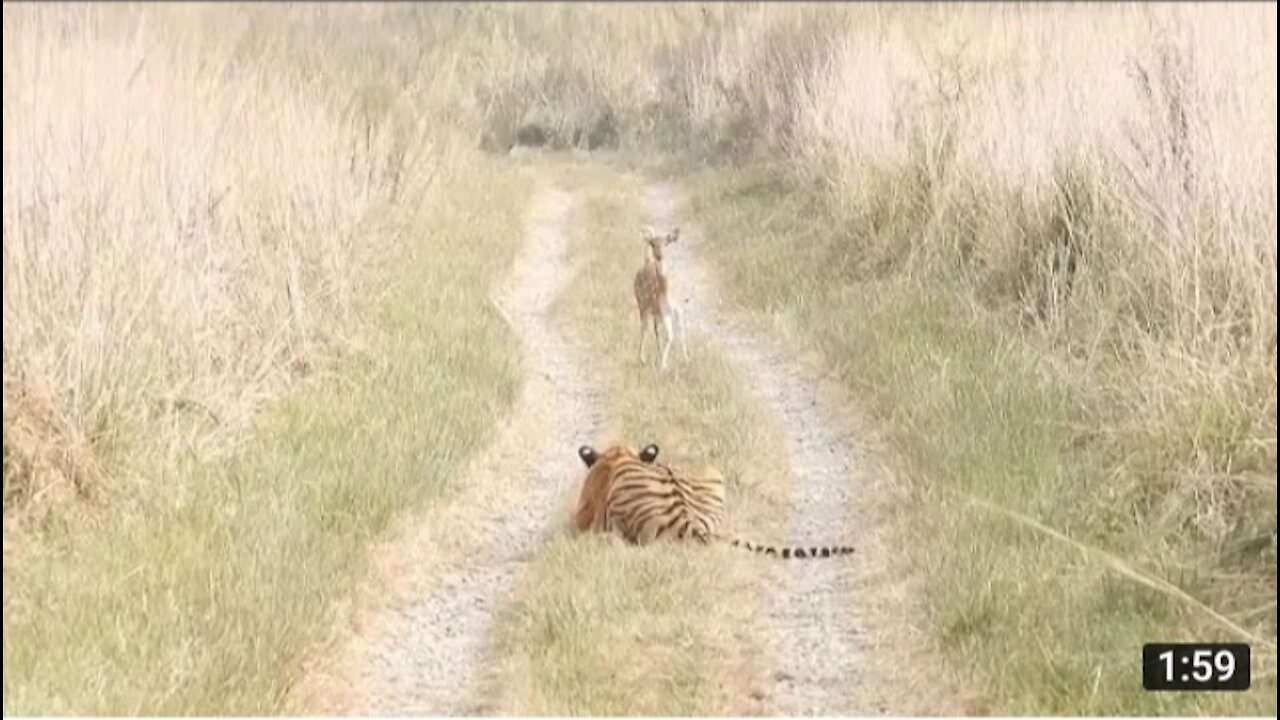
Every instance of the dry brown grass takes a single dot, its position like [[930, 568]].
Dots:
[[200, 203], [1091, 188], [202, 206], [187, 212], [1107, 173]]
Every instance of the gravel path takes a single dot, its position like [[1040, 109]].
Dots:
[[814, 627], [419, 641], [415, 638]]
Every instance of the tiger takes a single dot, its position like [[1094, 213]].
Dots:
[[642, 500]]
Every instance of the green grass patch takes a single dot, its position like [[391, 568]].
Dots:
[[204, 601], [971, 410]]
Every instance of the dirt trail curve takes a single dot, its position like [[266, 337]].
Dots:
[[814, 627], [418, 639]]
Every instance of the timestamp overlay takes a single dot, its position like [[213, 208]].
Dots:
[[1195, 666]]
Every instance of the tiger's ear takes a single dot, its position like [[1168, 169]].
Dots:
[[588, 455], [649, 453]]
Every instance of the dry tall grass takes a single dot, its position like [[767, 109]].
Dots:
[[1101, 178], [202, 203], [1100, 183], [1110, 173], [184, 219], [188, 192], [195, 200], [1105, 174]]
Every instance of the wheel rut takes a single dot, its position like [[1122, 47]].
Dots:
[[415, 641], [814, 629]]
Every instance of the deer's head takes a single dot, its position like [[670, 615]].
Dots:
[[657, 241]]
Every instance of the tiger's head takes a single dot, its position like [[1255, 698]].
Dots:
[[616, 452], [601, 467]]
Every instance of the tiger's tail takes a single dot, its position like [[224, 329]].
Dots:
[[790, 552]]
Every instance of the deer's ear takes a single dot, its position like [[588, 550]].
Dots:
[[588, 455], [649, 453], [674, 236]]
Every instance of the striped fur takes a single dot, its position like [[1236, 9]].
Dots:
[[643, 500]]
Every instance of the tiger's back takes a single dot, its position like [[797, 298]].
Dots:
[[641, 500], [649, 501]]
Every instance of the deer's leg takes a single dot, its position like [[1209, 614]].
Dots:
[[666, 346], [643, 320], [655, 320]]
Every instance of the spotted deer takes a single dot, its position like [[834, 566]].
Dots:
[[653, 297]]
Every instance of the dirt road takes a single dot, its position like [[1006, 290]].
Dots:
[[418, 639], [814, 627]]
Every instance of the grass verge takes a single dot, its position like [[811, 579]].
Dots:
[[971, 410], [600, 628], [204, 603]]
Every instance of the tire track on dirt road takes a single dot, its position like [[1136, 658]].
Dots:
[[814, 629], [417, 640]]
